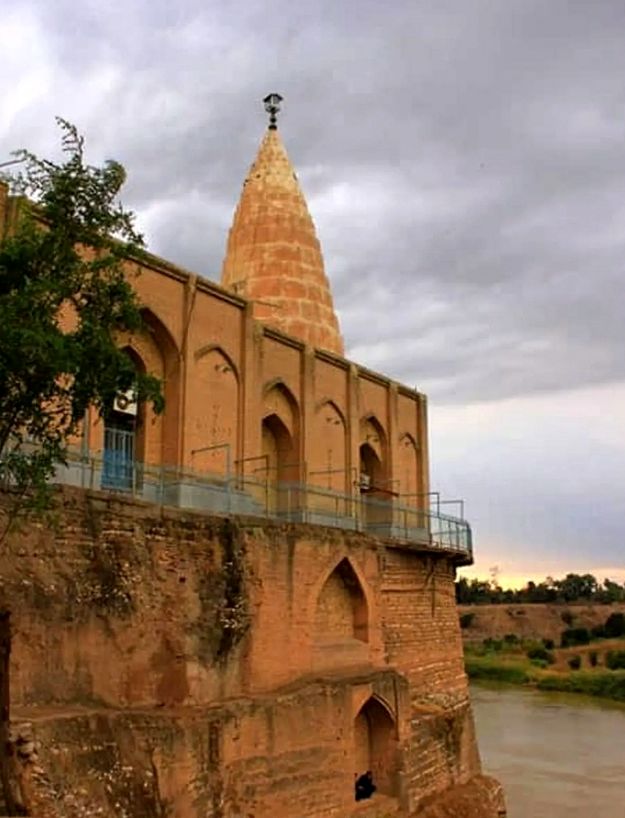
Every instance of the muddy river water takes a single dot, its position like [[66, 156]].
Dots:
[[557, 755]]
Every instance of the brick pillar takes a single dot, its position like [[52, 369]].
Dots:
[[423, 449], [307, 413], [353, 429], [391, 426]]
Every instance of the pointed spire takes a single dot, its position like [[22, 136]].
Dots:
[[273, 255]]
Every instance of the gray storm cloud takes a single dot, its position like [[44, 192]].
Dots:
[[464, 161], [468, 157]]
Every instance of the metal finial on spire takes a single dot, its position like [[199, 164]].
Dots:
[[272, 106]]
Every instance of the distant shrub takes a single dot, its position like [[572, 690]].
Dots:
[[608, 684], [549, 644], [615, 660], [593, 658], [615, 625], [541, 655], [541, 663], [485, 668], [567, 617], [574, 636], [466, 620], [492, 644], [575, 662], [597, 632], [511, 639]]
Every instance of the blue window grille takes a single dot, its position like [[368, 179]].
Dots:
[[119, 458]]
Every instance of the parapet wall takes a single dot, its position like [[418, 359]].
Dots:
[[205, 667]]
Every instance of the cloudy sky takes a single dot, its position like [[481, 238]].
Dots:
[[464, 161]]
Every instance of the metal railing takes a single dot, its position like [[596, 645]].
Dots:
[[253, 495]]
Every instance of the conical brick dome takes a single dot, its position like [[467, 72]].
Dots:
[[273, 255]]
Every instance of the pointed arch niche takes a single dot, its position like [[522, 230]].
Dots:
[[212, 438], [124, 442], [376, 746], [374, 485], [148, 445], [341, 619], [328, 460], [373, 453], [161, 338], [408, 470], [280, 443]]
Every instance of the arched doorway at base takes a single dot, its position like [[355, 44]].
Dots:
[[375, 746]]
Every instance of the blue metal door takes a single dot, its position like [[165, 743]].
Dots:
[[119, 458]]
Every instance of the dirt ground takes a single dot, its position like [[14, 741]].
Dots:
[[531, 621]]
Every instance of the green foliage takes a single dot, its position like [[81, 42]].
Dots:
[[608, 684], [615, 625], [466, 620], [615, 660], [572, 588], [575, 662], [63, 297], [511, 639], [541, 663], [597, 632], [541, 654], [494, 670], [492, 644], [574, 636], [549, 644]]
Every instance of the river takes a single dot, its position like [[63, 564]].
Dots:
[[557, 755]]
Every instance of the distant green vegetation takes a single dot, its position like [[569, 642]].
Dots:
[[572, 588], [494, 670], [529, 662], [574, 636], [615, 660], [607, 684], [466, 620]]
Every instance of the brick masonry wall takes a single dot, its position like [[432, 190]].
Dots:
[[123, 663]]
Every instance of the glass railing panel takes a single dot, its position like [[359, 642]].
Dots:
[[251, 495]]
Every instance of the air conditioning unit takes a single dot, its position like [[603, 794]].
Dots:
[[126, 403]]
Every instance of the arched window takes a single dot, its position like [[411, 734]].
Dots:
[[341, 613], [375, 488], [375, 746], [124, 437], [280, 446], [373, 465]]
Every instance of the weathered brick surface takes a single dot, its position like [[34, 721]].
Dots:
[[117, 626], [273, 256]]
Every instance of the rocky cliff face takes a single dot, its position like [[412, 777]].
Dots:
[[168, 664]]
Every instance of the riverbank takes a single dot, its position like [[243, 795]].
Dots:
[[567, 656], [517, 668]]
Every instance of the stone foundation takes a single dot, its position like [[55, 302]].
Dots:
[[175, 664]]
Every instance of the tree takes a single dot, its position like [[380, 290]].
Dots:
[[577, 586], [64, 295]]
